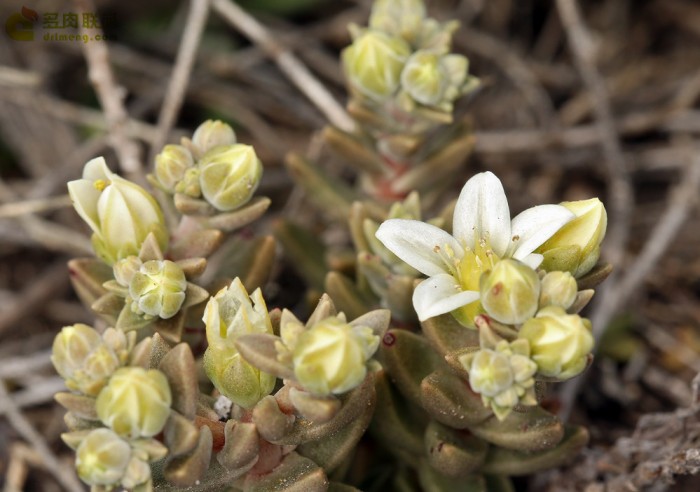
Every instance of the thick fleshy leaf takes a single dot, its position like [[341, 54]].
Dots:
[[440, 294], [419, 244], [534, 226], [452, 452], [482, 212]]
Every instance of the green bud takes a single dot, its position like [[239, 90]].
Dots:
[[504, 376], [125, 269], [331, 356], [575, 248], [558, 289], [135, 403], [102, 458], [137, 472], [401, 18], [212, 134], [229, 314], [171, 165], [424, 78], [510, 292], [560, 342], [158, 289], [373, 63], [84, 360], [189, 185], [120, 213], [229, 175]]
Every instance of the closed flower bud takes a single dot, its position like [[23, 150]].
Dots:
[[401, 18], [81, 357], [102, 458], [189, 185], [229, 175], [575, 248], [510, 292], [158, 289], [135, 403], [211, 134], [373, 63], [137, 472], [171, 165], [229, 314], [558, 289], [120, 213], [502, 376], [560, 342], [331, 357], [125, 269], [425, 78]]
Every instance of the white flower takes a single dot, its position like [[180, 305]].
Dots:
[[483, 234], [120, 213]]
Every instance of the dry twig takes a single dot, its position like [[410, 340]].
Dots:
[[287, 62]]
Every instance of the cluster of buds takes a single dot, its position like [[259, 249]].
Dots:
[[401, 64], [115, 409], [209, 173], [488, 276]]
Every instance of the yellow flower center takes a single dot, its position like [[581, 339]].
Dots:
[[468, 272], [101, 184]]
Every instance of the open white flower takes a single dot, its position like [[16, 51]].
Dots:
[[483, 234]]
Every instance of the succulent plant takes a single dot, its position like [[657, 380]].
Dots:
[[437, 337]]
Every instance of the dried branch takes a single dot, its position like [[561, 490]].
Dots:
[[111, 97], [290, 65], [179, 79], [62, 474]]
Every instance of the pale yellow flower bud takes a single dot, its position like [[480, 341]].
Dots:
[[576, 246], [137, 472], [125, 269], [102, 458], [120, 213], [510, 292], [434, 79], [135, 403], [558, 289], [158, 289], [229, 314], [81, 357], [171, 165], [504, 376], [560, 343], [398, 17], [211, 134], [229, 175], [331, 357], [373, 63]]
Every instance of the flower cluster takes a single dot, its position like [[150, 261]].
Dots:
[[211, 168], [489, 274], [122, 407], [402, 62]]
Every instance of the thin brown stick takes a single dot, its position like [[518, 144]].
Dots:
[[38, 205], [19, 422], [290, 65], [179, 79], [621, 195], [111, 97]]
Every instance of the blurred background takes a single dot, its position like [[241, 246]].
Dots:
[[578, 99]]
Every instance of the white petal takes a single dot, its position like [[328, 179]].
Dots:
[[534, 226], [419, 244], [439, 295], [533, 260], [84, 196], [482, 212], [97, 169]]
